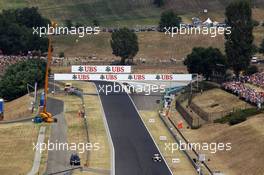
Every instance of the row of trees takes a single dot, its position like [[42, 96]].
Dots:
[[159, 3], [239, 47], [68, 23], [16, 31]]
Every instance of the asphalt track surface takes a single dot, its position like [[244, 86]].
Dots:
[[55, 106], [134, 147], [58, 160], [146, 102]]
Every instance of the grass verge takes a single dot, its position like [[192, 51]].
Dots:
[[16, 143], [158, 129]]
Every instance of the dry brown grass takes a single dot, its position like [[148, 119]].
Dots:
[[152, 45], [258, 14], [158, 129], [246, 155], [61, 69], [18, 108], [217, 100], [16, 143], [259, 35], [44, 155], [98, 159]]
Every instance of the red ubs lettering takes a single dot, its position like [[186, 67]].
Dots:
[[111, 77], [118, 69], [90, 69], [83, 77], [139, 77], [166, 77]]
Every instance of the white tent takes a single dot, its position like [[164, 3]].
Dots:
[[215, 23], [208, 21]]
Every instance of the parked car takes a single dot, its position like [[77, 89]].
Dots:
[[75, 160]]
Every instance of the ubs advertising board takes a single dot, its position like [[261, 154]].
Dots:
[[100, 69]]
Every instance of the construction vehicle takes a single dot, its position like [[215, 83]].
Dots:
[[44, 115], [67, 87]]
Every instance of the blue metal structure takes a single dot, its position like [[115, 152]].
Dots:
[[1, 106]]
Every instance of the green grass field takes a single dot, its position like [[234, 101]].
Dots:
[[121, 12]]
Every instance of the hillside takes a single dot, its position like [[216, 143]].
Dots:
[[246, 155], [120, 12]]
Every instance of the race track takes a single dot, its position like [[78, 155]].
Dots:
[[133, 144]]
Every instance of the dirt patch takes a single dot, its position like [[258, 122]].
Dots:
[[217, 100]]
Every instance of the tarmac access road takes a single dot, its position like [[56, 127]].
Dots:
[[134, 147], [58, 160]]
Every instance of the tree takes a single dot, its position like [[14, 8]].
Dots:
[[255, 23], [239, 44], [251, 70], [68, 23], [14, 82], [78, 24], [96, 23], [30, 17], [124, 43], [159, 3], [206, 61], [261, 48], [169, 19], [16, 31]]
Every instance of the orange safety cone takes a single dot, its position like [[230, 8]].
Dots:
[[180, 125]]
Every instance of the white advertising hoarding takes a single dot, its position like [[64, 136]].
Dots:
[[124, 77], [100, 69]]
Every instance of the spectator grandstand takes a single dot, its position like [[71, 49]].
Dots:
[[256, 79], [248, 94]]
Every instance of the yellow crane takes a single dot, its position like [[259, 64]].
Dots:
[[46, 116]]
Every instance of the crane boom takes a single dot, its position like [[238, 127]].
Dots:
[[46, 116]]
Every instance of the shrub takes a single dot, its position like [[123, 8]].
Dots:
[[14, 82], [238, 116]]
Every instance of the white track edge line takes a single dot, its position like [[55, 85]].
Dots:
[[150, 134], [108, 134]]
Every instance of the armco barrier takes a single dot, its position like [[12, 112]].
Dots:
[[80, 95], [167, 124], [173, 124]]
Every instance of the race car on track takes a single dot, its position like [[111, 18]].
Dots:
[[157, 158]]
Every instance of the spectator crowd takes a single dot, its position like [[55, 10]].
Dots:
[[256, 79], [248, 93]]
